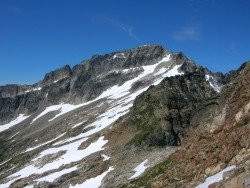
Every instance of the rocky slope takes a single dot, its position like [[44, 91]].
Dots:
[[107, 120], [220, 139]]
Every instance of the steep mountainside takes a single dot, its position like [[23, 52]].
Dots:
[[107, 120], [220, 138]]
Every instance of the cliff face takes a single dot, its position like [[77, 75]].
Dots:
[[219, 137], [164, 112]]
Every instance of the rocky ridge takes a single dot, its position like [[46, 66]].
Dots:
[[81, 83]]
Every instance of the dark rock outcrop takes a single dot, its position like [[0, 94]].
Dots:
[[164, 112], [12, 90], [57, 75]]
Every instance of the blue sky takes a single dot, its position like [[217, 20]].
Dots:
[[39, 36]]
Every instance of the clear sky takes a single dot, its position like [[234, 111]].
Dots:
[[37, 36]]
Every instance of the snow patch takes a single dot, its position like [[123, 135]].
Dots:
[[60, 79], [5, 162], [128, 70], [119, 55], [114, 71], [64, 108], [51, 177], [14, 135], [93, 182], [167, 58], [172, 72], [215, 178], [33, 148], [29, 186], [215, 86], [19, 119], [77, 125], [105, 157], [35, 89], [139, 169]]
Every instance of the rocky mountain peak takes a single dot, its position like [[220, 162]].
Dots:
[[143, 55], [57, 74], [188, 65], [89, 79]]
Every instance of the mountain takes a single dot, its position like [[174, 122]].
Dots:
[[144, 117]]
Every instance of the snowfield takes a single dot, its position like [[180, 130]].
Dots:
[[19, 119], [167, 73], [71, 154], [105, 157], [35, 89]]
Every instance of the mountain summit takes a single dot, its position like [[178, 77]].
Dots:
[[125, 119]]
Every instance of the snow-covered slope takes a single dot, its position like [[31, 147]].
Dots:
[[72, 133], [14, 122]]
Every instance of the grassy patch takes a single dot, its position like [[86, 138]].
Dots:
[[145, 121]]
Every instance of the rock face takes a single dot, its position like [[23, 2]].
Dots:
[[57, 75], [163, 112], [81, 83], [214, 143], [11, 90], [110, 118]]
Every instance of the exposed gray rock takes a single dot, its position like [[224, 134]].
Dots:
[[57, 75], [164, 112], [12, 90], [81, 83]]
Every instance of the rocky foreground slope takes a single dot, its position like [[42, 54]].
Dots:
[[144, 117], [217, 137]]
